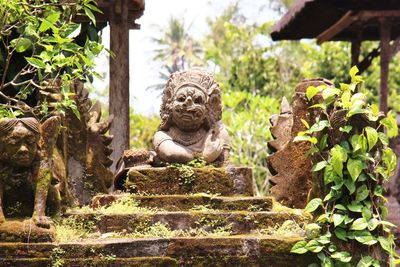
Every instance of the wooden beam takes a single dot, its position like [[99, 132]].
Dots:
[[350, 17], [119, 78], [385, 31], [336, 28], [370, 14]]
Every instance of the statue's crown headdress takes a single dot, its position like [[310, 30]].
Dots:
[[197, 78]]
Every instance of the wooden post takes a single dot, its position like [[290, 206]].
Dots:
[[355, 52], [119, 78], [385, 58]]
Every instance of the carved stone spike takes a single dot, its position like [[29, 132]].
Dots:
[[88, 149], [292, 187], [95, 113], [285, 106]]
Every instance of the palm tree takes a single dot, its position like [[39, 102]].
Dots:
[[177, 50]]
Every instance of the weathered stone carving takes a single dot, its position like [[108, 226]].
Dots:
[[88, 149], [191, 124], [26, 163], [291, 188]]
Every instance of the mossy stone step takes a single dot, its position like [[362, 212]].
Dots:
[[187, 202], [24, 230], [174, 181], [188, 251], [236, 222], [99, 261]]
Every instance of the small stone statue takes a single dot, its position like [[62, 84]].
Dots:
[[26, 148], [191, 124]]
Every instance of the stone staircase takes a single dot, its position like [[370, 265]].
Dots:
[[172, 223]]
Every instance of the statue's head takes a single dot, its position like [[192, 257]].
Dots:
[[19, 141], [191, 100]]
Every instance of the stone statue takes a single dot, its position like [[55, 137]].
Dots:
[[26, 149], [191, 124]]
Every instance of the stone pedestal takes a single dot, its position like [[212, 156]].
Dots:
[[172, 181]]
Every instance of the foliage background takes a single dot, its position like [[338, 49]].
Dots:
[[254, 74]]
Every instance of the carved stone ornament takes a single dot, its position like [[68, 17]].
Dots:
[[26, 163], [191, 124]]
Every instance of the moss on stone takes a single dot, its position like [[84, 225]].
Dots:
[[163, 181]]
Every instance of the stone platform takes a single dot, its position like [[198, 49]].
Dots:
[[173, 181], [211, 219]]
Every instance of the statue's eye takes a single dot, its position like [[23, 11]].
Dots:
[[181, 98], [198, 100]]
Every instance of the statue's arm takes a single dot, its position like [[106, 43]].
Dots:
[[170, 151], [216, 145]]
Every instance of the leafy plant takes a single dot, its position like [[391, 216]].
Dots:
[[42, 48], [352, 160]]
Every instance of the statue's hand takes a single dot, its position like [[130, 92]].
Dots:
[[212, 148]]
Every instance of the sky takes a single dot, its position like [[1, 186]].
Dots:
[[143, 71]]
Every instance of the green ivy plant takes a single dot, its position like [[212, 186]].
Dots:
[[41, 46], [352, 160]]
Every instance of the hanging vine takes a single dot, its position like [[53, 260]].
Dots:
[[352, 160]]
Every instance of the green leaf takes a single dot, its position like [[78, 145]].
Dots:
[[299, 247], [49, 21], [311, 92], [340, 207], [362, 193], [310, 139], [391, 124], [385, 244], [362, 143], [378, 191], [365, 261], [341, 234], [366, 213], [383, 138], [355, 110], [390, 160], [353, 71], [318, 126], [372, 137], [90, 15], [365, 237], [35, 62], [337, 219], [21, 44], [355, 167], [330, 92], [313, 205], [73, 31], [321, 106], [339, 155], [346, 129], [305, 123], [359, 224], [342, 256], [314, 246], [53, 17], [372, 224], [323, 142], [319, 166], [350, 185]]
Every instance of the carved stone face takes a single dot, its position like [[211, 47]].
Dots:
[[19, 146], [189, 108]]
